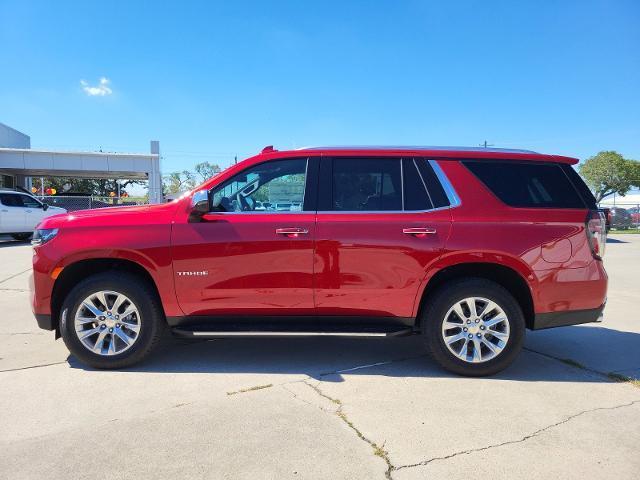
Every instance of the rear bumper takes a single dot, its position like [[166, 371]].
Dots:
[[567, 317]]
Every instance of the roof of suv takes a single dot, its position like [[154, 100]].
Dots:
[[435, 152]]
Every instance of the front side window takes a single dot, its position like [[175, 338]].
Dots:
[[30, 202], [366, 184], [275, 186]]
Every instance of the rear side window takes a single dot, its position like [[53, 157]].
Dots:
[[416, 196], [366, 184], [528, 184], [433, 185]]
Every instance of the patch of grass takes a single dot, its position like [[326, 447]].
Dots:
[[379, 451], [623, 378], [252, 389], [573, 363], [624, 232]]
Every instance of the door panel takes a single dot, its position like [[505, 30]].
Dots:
[[12, 213], [253, 253], [366, 265], [378, 229], [249, 268], [33, 213]]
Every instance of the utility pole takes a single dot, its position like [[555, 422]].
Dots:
[[486, 145]]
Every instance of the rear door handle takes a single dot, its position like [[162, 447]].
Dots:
[[419, 231], [292, 232]]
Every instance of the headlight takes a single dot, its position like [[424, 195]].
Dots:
[[43, 235]]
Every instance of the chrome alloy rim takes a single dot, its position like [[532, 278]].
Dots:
[[475, 329], [107, 323]]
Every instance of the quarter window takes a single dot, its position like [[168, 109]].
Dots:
[[275, 186], [527, 185]]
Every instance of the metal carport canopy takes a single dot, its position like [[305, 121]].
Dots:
[[32, 162]]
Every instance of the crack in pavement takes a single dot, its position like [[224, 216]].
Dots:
[[377, 450], [32, 366], [520, 440], [572, 363], [9, 334], [15, 275]]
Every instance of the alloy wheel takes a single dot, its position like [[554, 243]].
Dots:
[[475, 329], [107, 323]]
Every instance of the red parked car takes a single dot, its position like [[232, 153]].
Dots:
[[466, 247]]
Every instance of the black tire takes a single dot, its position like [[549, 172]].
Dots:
[[448, 295], [152, 319], [22, 237]]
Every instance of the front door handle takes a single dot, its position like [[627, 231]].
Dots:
[[292, 232], [419, 231]]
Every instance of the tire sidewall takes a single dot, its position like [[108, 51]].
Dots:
[[121, 284], [449, 296]]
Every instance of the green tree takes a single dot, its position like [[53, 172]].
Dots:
[[207, 170], [177, 182], [609, 172]]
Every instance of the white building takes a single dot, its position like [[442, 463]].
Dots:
[[19, 162]]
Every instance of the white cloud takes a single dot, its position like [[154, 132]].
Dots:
[[99, 90]]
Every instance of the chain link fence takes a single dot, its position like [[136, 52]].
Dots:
[[73, 203]]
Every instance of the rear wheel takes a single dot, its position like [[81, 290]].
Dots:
[[473, 327], [111, 320], [22, 237]]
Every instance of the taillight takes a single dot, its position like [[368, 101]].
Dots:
[[596, 229]]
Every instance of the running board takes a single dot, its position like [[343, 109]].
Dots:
[[186, 333]]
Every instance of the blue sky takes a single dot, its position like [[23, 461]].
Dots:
[[210, 80]]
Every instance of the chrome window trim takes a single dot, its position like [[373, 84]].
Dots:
[[263, 212], [454, 200], [378, 212]]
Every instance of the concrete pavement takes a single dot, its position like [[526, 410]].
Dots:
[[352, 408]]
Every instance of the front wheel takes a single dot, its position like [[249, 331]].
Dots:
[[473, 327], [111, 320]]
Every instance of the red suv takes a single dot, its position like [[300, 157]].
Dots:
[[466, 247]]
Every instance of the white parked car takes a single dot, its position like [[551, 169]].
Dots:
[[20, 213]]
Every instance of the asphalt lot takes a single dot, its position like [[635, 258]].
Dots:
[[323, 407]]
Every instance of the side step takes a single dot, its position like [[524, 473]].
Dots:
[[185, 332]]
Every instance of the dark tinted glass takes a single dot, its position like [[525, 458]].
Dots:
[[436, 192], [366, 184], [11, 200], [528, 185], [415, 193], [582, 188]]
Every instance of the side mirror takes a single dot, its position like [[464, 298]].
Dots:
[[199, 205], [45, 206]]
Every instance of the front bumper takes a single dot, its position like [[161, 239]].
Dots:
[[567, 317]]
